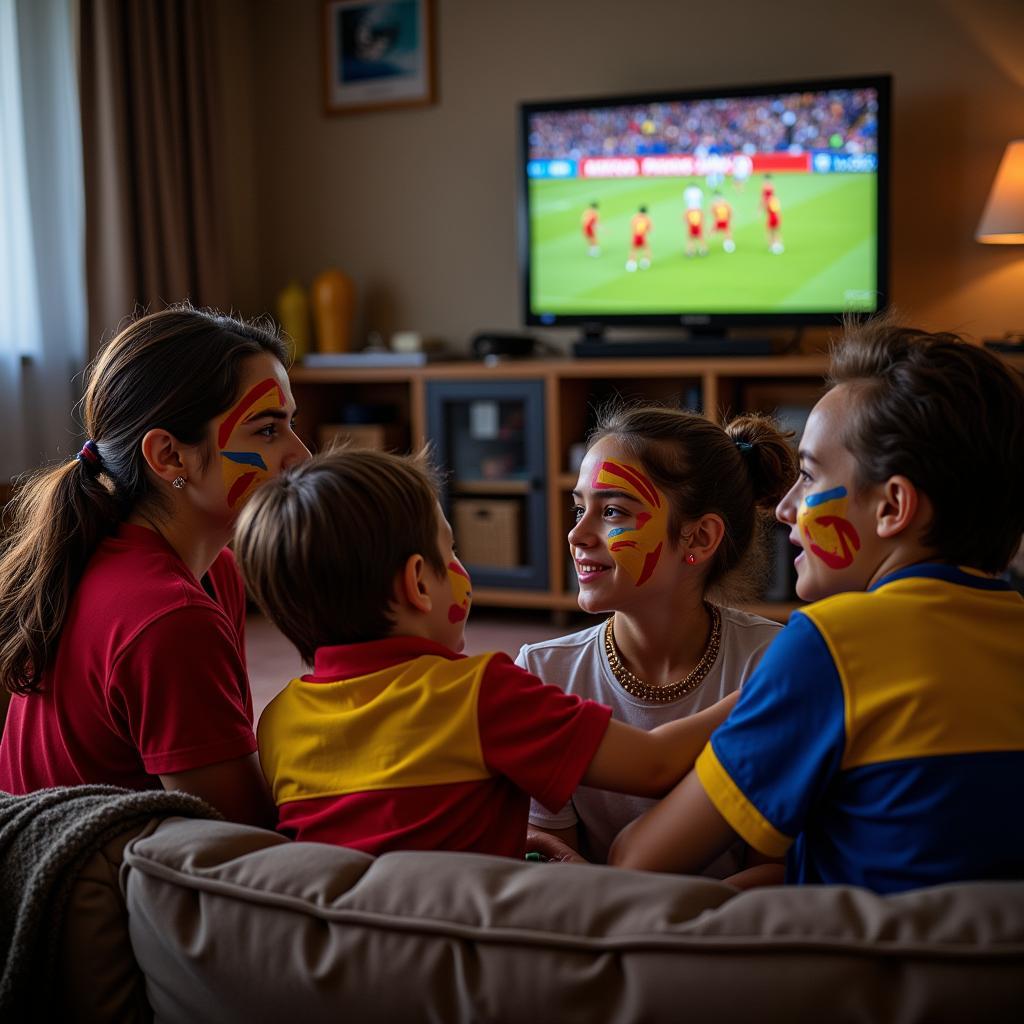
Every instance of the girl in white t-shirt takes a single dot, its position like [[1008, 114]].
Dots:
[[670, 508]]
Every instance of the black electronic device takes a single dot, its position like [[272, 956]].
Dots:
[[1012, 342], [761, 206], [697, 345], [493, 343]]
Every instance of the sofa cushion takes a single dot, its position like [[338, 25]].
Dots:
[[236, 924]]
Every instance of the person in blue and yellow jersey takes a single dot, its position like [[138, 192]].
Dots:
[[880, 741], [395, 741], [639, 247]]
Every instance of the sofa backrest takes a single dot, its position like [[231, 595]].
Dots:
[[236, 924]]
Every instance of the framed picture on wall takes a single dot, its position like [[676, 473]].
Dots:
[[378, 53]]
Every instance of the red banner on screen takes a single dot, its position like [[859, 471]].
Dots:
[[686, 165]]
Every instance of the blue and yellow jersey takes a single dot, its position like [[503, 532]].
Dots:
[[880, 742]]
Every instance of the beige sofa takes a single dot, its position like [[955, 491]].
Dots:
[[224, 923]]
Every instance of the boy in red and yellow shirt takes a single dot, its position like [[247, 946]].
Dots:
[[396, 741]]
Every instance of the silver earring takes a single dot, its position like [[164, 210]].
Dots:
[[178, 483]]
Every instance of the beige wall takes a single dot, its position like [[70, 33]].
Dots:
[[419, 205]]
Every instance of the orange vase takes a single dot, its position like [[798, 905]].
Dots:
[[334, 297], [293, 316]]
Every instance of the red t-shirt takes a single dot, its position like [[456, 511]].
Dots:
[[401, 744], [149, 677]]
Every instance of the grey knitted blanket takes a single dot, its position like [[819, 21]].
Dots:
[[45, 840]]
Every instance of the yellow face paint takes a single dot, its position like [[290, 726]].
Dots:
[[827, 533], [243, 469], [637, 548], [462, 592]]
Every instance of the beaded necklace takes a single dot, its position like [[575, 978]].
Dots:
[[635, 686]]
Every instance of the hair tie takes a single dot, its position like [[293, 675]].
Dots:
[[744, 446], [89, 453]]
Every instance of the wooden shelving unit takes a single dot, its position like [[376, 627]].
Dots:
[[490, 486], [571, 388]]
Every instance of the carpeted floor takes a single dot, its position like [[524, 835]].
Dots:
[[273, 661]]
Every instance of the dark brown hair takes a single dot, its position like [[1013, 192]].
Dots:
[[947, 415], [175, 370], [320, 545], [739, 472]]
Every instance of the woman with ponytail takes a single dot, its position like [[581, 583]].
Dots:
[[672, 519], [121, 611]]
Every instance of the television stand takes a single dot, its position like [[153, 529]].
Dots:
[[592, 346]]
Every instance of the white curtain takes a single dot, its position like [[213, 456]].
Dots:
[[42, 265]]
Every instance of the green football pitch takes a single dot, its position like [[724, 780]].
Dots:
[[828, 262]]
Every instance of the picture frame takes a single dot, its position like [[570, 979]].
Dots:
[[378, 54]]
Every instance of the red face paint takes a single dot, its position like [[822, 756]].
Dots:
[[242, 468], [462, 592], [637, 549], [828, 534]]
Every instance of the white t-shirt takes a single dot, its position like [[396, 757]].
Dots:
[[579, 665]]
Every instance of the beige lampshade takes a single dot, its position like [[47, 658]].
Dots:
[[1002, 222]]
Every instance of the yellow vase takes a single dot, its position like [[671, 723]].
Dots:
[[293, 316], [334, 297]]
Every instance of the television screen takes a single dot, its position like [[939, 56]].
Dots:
[[762, 204]]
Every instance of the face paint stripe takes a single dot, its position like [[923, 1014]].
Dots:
[[612, 475], [246, 459], [833, 561], [245, 403], [640, 483], [617, 531], [649, 563], [849, 543], [462, 591], [819, 499], [239, 487]]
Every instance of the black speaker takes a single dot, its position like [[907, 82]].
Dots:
[[491, 343]]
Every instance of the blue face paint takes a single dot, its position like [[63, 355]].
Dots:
[[819, 499], [246, 459], [617, 531]]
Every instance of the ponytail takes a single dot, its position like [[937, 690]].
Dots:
[[55, 521], [767, 456]]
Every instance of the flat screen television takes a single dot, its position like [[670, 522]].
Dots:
[[710, 209]]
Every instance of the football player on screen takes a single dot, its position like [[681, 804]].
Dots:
[[639, 250]]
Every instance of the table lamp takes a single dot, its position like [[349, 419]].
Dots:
[[1002, 223]]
